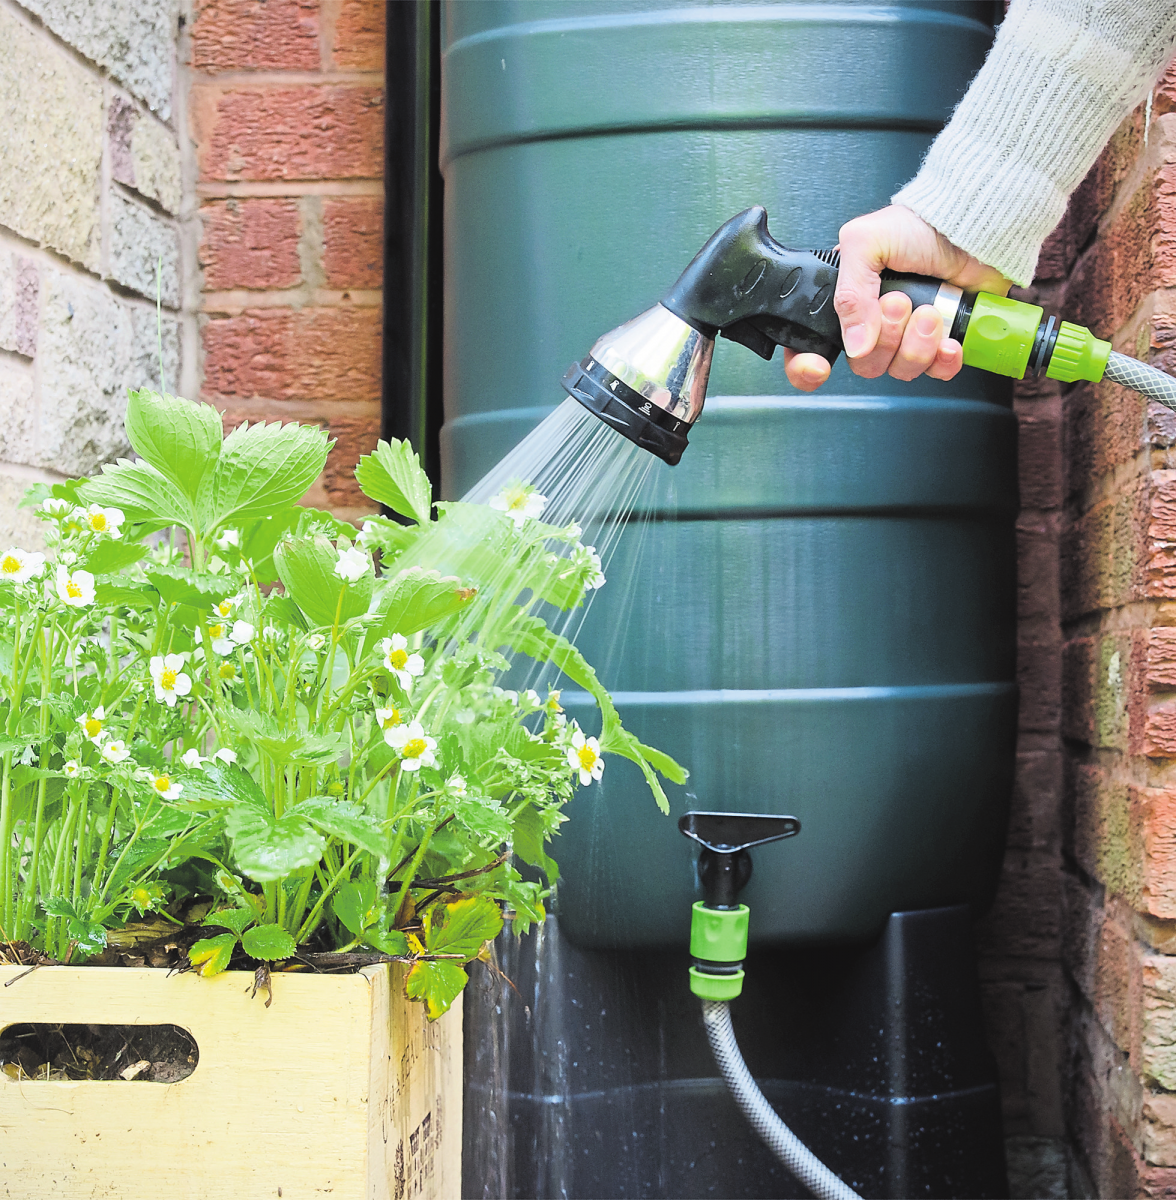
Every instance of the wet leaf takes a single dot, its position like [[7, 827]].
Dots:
[[267, 942], [354, 904], [345, 819], [210, 956], [180, 439], [236, 919], [438, 984], [461, 926], [306, 566], [392, 475]]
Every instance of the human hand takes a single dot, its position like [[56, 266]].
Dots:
[[883, 336]]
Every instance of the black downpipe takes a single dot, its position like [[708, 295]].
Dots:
[[411, 401]]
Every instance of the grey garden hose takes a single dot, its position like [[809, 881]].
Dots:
[[782, 1142], [1138, 376]]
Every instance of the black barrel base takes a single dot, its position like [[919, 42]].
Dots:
[[596, 1079]]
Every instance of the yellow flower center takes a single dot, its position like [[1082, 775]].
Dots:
[[216, 630], [98, 522], [588, 757], [93, 727], [10, 564], [413, 748], [228, 671], [392, 719], [515, 498], [167, 680], [225, 608], [72, 590], [162, 783], [397, 659]]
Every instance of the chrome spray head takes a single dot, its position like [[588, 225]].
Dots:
[[647, 379]]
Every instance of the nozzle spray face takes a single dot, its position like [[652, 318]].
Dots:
[[647, 379]]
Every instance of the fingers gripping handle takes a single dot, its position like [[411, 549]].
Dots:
[[746, 286]]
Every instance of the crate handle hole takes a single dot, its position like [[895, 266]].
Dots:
[[40, 1052]]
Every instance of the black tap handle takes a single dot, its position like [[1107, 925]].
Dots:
[[746, 286], [727, 833]]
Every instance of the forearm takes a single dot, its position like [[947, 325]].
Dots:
[[1059, 79]]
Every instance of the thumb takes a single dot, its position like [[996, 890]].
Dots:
[[856, 297]]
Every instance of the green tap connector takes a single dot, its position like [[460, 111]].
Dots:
[[1000, 334], [718, 935], [1078, 354], [1008, 337]]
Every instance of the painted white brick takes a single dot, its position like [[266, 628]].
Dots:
[[132, 39], [19, 299], [17, 403], [138, 240], [83, 353], [50, 144], [18, 526]]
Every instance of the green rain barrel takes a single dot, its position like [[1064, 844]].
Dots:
[[821, 616]]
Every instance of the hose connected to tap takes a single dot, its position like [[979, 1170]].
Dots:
[[1138, 376], [782, 1142]]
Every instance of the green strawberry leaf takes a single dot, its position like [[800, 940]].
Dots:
[[267, 942], [438, 984], [392, 475], [462, 926], [210, 956]]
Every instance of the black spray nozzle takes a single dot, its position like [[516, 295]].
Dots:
[[724, 866], [647, 378]]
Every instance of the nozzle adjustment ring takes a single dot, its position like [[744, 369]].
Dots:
[[627, 411]]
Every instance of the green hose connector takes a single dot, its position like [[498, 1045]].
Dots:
[[1078, 354], [1000, 335], [717, 935]]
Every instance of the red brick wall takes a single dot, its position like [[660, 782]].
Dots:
[[1080, 952], [286, 106]]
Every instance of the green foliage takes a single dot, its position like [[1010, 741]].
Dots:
[[393, 476], [329, 761]]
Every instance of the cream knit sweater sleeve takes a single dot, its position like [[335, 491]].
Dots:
[[1060, 77]]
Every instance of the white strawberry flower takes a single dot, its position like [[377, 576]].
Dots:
[[225, 755], [242, 633], [389, 719], [72, 769], [529, 699], [55, 506], [101, 520], [18, 566], [456, 785], [397, 659], [169, 678], [316, 641], [165, 786], [68, 557], [519, 501], [227, 673], [224, 609], [220, 643], [92, 722], [413, 745], [227, 538], [115, 751], [352, 564], [192, 760], [584, 756], [596, 576], [75, 588]]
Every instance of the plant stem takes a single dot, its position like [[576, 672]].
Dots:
[[308, 926]]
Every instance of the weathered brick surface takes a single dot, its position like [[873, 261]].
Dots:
[[1104, 556], [1157, 1056], [18, 526], [256, 35], [132, 39], [19, 426], [250, 243], [50, 144], [141, 241], [1039, 452], [20, 289], [353, 241], [91, 348], [312, 353], [358, 44], [144, 154], [313, 132], [1159, 1129]]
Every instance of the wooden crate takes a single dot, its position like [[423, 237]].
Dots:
[[340, 1088]]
